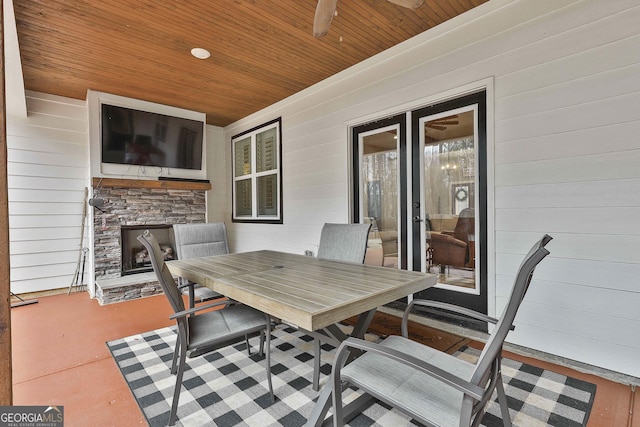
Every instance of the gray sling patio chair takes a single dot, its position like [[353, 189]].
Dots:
[[433, 387], [344, 242], [208, 330], [196, 240], [339, 242]]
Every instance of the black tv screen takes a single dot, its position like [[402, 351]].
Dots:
[[150, 139]]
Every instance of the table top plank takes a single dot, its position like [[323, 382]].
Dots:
[[313, 279], [309, 292], [348, 280], [198, 269]]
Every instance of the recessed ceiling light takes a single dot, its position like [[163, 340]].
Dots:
[[200, 53]]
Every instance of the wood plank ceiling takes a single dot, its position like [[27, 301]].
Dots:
[[261, 51]]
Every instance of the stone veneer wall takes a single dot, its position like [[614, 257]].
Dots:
[[138, 206]]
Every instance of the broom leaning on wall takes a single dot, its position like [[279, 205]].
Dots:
[[78, 276]]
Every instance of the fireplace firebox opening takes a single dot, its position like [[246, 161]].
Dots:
[[135, 258]]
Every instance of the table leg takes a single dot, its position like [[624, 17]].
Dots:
[[364, 320], [317, 417]]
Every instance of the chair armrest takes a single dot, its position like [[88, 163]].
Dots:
[[185, 313], [470, 389], [447, 239], [448, 307]]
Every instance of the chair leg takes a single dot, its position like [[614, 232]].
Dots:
[[316, 364], [176, 352], [262, 338], [336, 396], [246, 340], [176, 391], [192, 296], [268, 358], [502, 399], [261, 344]]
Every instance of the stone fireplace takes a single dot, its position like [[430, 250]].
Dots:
[[128, 208]]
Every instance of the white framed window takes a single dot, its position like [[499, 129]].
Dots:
[[257, 174]]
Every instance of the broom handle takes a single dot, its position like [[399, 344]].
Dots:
[[84, 216]]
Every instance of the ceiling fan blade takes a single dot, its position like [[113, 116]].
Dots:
[[324, 15], [411, 4]]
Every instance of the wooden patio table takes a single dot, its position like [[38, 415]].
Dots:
[[311, 293]]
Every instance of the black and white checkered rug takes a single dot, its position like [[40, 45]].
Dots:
[[229, 388]]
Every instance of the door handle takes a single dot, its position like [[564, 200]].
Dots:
[[417, 219]]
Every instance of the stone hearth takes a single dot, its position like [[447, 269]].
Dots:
[[139, 203], [126, 288]]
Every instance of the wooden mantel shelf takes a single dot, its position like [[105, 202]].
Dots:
[[148, 183]]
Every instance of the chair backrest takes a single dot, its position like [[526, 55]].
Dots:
[[371, 220], [465, 227], [201, 239], [493, 346], [344, 242], [163, 274]]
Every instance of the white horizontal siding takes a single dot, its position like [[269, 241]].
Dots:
[[564, 156], [614, 277], [42, 196], [61, 171], [607, 193], [575, 322], [30, 247], [53, 258], [32, 157], [567, 164], [47, 174], [566, 94], [578, 168], [612, 220], [595, 300], [585, 247], [619, 356], [22, 235], [566, 119], [53, 184], [41, 283], [217, 174]]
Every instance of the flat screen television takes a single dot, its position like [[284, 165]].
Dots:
[[134, 137]]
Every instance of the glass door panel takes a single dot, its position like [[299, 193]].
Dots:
[[449, 193], [379, 177], [380, 189]]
